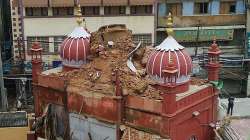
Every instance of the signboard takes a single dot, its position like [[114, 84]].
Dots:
[[204, 35]]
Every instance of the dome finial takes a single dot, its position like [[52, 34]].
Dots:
[[214, 40], [79, 19], [170, 30]]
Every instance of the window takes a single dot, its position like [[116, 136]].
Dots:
[[36, 11], [57, 42], [142, 9], [232, 8], [148, 9], [201, 8], [122, 10], [146, 39], [90, 10], [63, 11], [43, 41], [114, 10]]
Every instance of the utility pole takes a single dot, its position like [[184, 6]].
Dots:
[[197, 38], [4, 102]]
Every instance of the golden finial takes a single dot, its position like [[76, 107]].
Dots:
[[170, 30], [214, 40], [79, 19]]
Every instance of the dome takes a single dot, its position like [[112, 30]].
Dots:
[[160, 58], [75, 48]]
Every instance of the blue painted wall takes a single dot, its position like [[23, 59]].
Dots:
[[188, 8], [162, 9], [215, 7], [240, 7]]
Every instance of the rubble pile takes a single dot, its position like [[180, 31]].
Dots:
[[133, 134], [106, 58], [197, 81]]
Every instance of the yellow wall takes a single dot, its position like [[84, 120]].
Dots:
[[13, 133], [63, 26]]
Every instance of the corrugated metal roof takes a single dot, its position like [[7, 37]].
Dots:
[[13, 119]]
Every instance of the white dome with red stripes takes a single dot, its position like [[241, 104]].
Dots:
[[159, 59], [75, 48]]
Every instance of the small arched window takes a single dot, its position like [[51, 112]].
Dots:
[[193, 138]]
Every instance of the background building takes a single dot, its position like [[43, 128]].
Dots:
[[49, 21], [197, 22], [5, 30]]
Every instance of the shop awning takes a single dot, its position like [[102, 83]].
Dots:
[[90, 2], [115, 2], [62, 3], [35, 3], [141, 2]]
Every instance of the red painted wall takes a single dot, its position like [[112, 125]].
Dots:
[[140, 112]]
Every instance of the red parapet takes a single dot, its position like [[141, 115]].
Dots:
[[204, 93], [143, 103], [104, 108], [145, 121], [44, 96], [53, 82]]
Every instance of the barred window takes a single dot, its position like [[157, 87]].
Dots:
[[90, 10], [63, 11], [57, 42], [146, 39], [141, 9], [36, 11], [43, 41], [201, 8], [114, 10]]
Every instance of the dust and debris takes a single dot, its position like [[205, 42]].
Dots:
[[134, 134], [99, 74], [198, 81]]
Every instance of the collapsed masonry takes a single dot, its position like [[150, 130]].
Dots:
[[112, 91]]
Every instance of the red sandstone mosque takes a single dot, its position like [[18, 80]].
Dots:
[[98, 95]]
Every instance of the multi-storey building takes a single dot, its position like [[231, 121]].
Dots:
[[49, 21], [197, 22]]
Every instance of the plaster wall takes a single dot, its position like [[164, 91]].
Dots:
[[14, 133], [63, 26], [50, 27]]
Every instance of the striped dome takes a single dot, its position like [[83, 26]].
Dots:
[[75, 48], [159, 60]]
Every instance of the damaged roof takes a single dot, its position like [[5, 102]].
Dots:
[[98, 76]]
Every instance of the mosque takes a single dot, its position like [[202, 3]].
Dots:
[[104, 91]]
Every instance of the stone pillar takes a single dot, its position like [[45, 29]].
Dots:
[[248, 85], [101, 10]]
